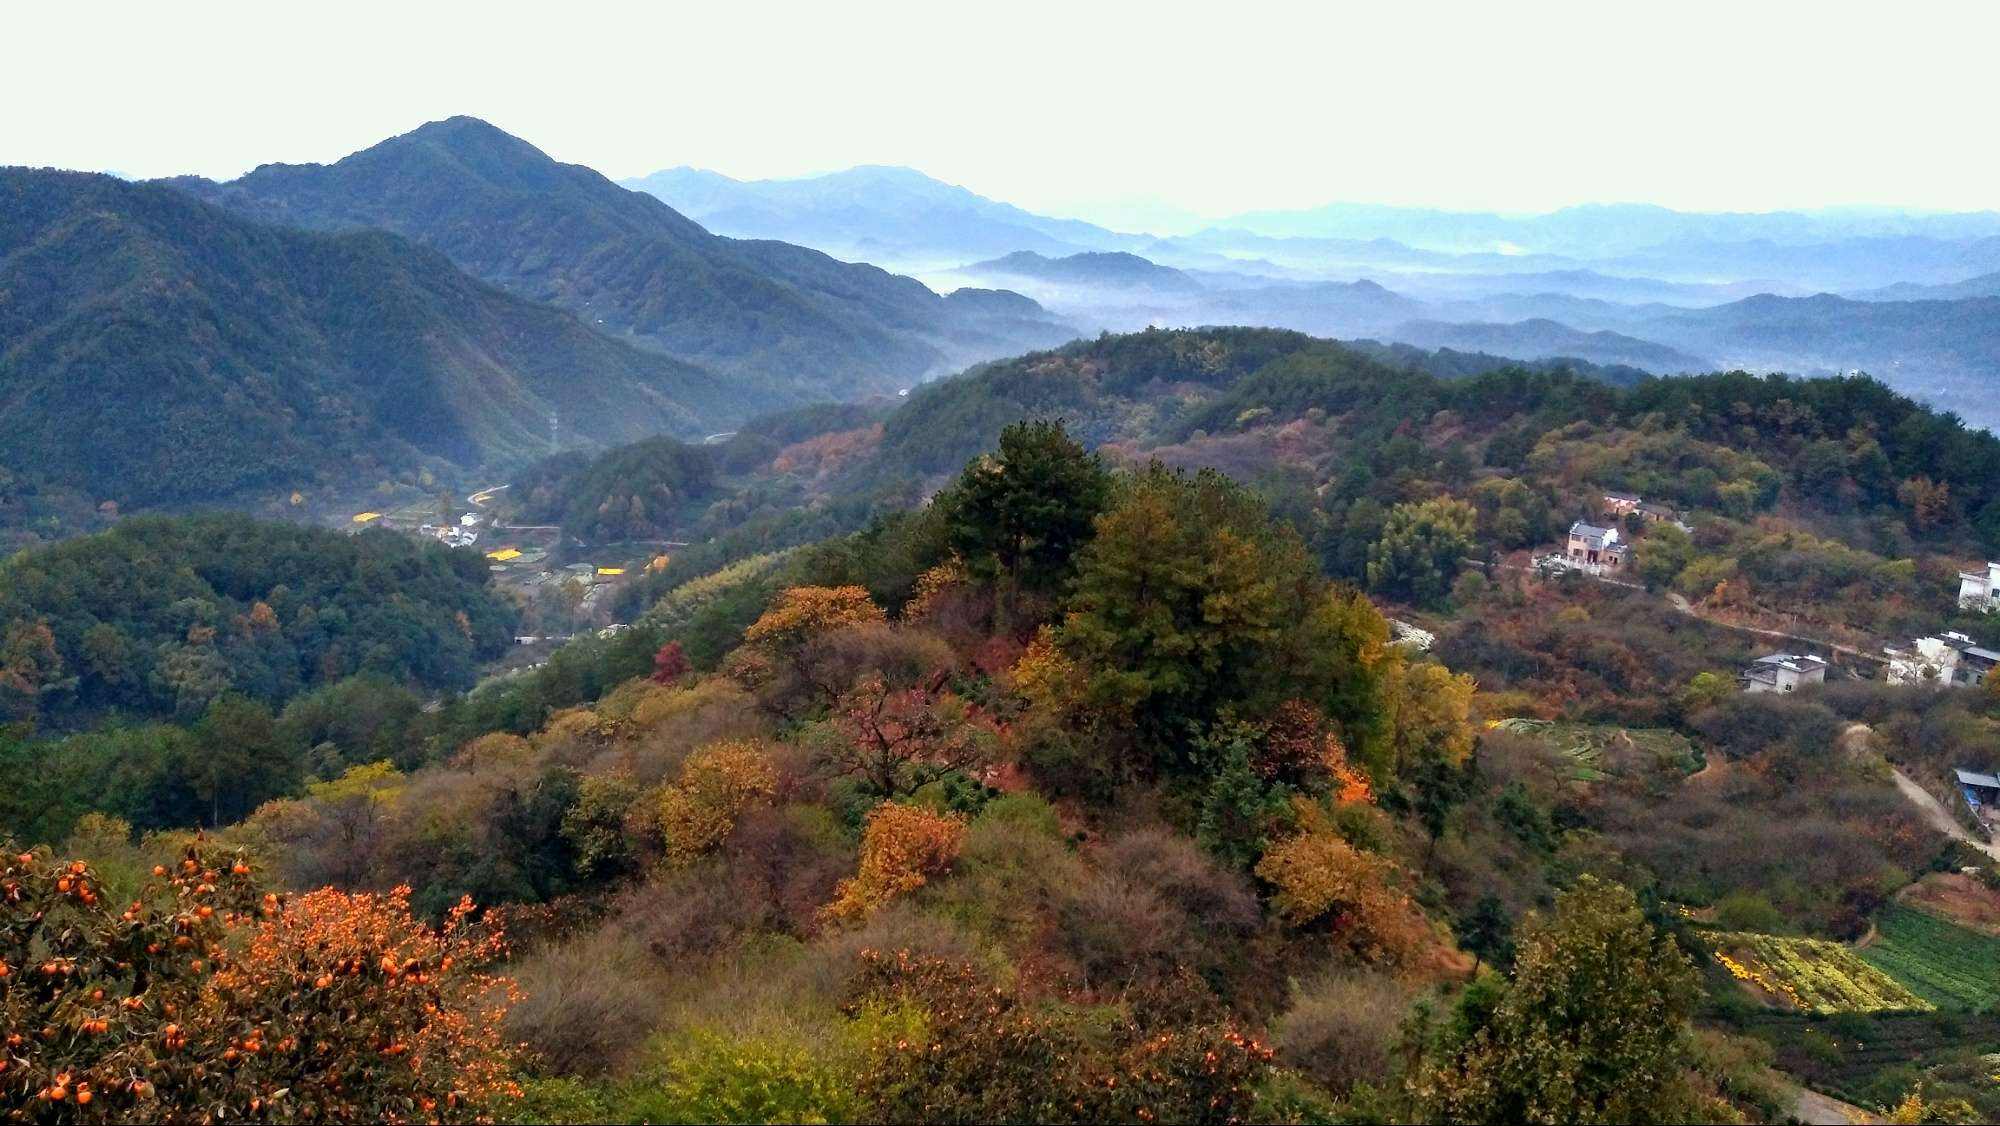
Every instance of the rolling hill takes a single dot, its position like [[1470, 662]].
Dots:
[[1534, 338], [155, 349], [1115, 269], [629, 264]]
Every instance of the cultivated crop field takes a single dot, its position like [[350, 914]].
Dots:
[[1811, 974], [1946, 964], [1596, 751]]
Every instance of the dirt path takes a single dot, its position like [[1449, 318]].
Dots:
[[1825, 1110], [1940, 817], [1684, 606]]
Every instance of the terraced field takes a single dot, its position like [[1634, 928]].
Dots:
[[1811, 974], [1946, 964], [1596, 751]]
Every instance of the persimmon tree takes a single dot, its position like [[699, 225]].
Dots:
[[898, 740], [207, 999]]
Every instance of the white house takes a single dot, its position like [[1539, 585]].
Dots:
[[1980, 590], [1597, 549], [1952, 660], [1782, 672]]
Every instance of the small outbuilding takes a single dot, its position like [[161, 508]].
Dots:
[[1782, 672]]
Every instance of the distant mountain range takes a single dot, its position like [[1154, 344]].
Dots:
[[889, 215], [439, 296], [1985, 285], [1113, 268], [904, 219], [156, 349], [1542, 337], [631, 265], [1605, 230], [1941, 343]]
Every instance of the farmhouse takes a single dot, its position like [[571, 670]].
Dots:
[[1980, 590], [1597, 549], [1655, 513], [1618, 504], [1952, 660], [1982, 796], [1782, 672]]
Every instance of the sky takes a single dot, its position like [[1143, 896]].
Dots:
[[1099, 110]]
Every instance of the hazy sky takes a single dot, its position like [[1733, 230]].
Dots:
[[1063, 107]]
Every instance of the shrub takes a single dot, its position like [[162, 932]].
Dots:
[[716, 785], [588, 1003], [1748, 911], [1341, 1028], [711, 1078], [1028, 811], [987, 1055], [1322, 881], [902, 847], [670, 664]]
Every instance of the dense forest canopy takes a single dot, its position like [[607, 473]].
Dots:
[[161, 616], [635, 492]]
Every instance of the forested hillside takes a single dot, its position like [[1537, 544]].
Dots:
[[1079, 795], [158, 350], [635, 492], [630, 264], [1079, 778], [163, 616]]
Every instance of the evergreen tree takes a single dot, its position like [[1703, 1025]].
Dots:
[[1019, 516]]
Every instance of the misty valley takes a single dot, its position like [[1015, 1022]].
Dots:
[[489, 637]]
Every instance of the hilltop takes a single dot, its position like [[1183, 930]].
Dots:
[[155, 349], [1106, 268], [629, 264]]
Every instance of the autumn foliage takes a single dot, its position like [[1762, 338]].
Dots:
[[802, 613], [1324, 883], [987, 1054], [670, 664], [896, 740], [205, 1000], [716, 785], [1299, 747], [902, 847]]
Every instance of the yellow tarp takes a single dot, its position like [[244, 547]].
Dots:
[[503, 555], [365, 517], [611, 570]]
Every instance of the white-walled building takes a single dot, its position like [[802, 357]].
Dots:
[[1980, 590], [1782, 672], [1952, 660], [1597, 549]]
